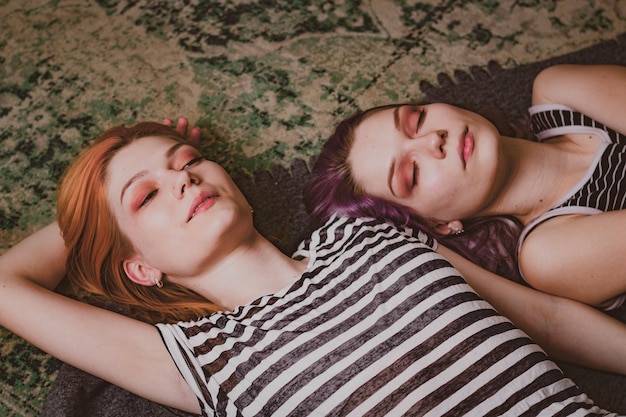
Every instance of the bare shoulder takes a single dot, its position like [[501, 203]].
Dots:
[[577, 256], [543, 250], [599, 91]]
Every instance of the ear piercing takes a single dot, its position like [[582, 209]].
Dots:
[[158, 283], [457, 231]]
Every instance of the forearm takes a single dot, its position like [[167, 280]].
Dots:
[[566, 329], [586, 336]]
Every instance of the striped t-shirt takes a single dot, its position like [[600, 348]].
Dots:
[[378, 325]]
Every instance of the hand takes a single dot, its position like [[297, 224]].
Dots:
[[182, 125]]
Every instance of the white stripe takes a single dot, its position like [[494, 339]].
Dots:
[[582, 398]]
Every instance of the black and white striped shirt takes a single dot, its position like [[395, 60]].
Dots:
[[603, 187], [379, 324]]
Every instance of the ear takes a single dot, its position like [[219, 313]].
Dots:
[[449, 228], [141, 273]]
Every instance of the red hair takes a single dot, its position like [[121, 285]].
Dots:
[[97, 247]]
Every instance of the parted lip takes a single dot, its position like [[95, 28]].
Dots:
[[465, 146], [198, 201]]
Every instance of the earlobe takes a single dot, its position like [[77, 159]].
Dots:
[[448, 228], [141, 273]]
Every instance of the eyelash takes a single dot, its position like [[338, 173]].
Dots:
[[420, 119], [153, 193], [147, 198], [192, 162]]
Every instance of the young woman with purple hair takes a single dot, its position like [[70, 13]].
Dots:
[[488, 241], [551, 207]]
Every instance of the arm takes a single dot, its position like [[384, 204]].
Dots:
[[121, 350], [591, 270], [599, 91], [568, 330], [41, 257]]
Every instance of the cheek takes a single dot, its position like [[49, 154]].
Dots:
[[436, 194], [436, 184], [147, 235], [168, 253]]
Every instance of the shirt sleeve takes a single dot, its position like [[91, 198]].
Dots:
[[178, 346]]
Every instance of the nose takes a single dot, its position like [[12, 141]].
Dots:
[[438, 140], [431, 143], [181, 181]]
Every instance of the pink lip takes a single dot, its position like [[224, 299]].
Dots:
[[466, 146], [201, 203]]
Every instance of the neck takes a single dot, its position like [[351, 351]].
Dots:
[[532, 178], [255, 269]]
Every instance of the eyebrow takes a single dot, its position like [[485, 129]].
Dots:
[[174, 148], [396, 117], [130, 181], [396, 122], [142, 173]]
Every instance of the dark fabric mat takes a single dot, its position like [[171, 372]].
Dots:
[[504, 95]]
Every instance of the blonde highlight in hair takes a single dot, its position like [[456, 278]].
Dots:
[[96, 246]]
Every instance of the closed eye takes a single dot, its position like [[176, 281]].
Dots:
[[148, 198], [192, 162], [420, 119]]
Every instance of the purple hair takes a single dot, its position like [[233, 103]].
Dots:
[[490, 242]]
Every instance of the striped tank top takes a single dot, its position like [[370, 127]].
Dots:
[[603, 187]]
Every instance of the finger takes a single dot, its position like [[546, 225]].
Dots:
[[181, 125], [167, 122], [194, 137]]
